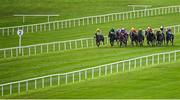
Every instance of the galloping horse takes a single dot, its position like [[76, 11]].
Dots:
[[169, 37], [151, 38], [122, 36], [112, 36], [99, 38], [134, 37], [160, 38]]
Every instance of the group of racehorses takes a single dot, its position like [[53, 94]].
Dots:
[[154, 38]]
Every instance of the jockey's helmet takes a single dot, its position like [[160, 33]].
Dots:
[[162, 27], [97, 29]]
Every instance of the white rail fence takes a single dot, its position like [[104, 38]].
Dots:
[[25, 86], [51, 47], [56, 25]]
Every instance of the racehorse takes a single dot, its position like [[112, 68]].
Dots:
[[160, 38], [112, 37], [122, 37], [140, 37], [99, 38], [134, 38], [169, 37], [151, 38]]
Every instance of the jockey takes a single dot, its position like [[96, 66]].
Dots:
[[169, 32], [112, 31], [162, 30], [140, 32], [133, 30], [149, 29], [98, 31]]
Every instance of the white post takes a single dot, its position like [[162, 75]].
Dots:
[[76, 44], [147, 61], [99, 71], [92, 20], [169, 57], [73, 77], [35, 50], [79, 76], [129, 65], [87, 43], [11, 53], [79, 22], [4, 53], [140, 62], [10, 89], [50, 80], [29, 51], [35, 84], [164, 56], [111, 68], [153, 60], [44, 27], [134, 63], [66, 79], [88, 21], [123, 66], [54, 26], [59, 79], [19, 87], [64, 45], [47, 48], [106, 70], [85, 74], [26, 87], [70, 47], [59, 46], [42, 82], [174, 56], [41, 49], [117, 67], [158, 59], [93, 73], [62, 24], [2, 90], [81, 43], [57, 25]]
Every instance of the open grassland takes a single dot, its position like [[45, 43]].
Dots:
[[158, 82], [67, 8]]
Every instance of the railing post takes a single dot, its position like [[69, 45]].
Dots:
[[81, 44], [129, 65], [19, 88], [2, 90], [11, 53], [93, 73], [87, 43], [50, 80], [70, 47], [4, 53], [164, 56], [29, 51], [26, 87], [35, 84], [66, 79], [59, 79], [85, 74], [117, 67], [153, 60], [111, 68], [123, 66], [10, 89], [79, 76], [96, 20], [99, 71], [42, 82], [64, 45], [73, 77], [41, 49], [169, 57], [175, 56], [106, 70], [134, 63], [147, 61], [140, 62], [158, 59]]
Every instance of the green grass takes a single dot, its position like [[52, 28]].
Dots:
[[157, 82], [66, 8], [88, 31]]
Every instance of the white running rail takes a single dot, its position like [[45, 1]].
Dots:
[[56, 25], [30, 50], [25, 86]]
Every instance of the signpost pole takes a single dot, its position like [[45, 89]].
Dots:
[[20, 33]]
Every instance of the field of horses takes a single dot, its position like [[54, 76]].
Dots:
[[159, 81]]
